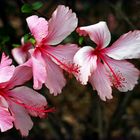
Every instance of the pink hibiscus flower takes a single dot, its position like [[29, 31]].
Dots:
[[46, 60], [105, 67], [17, 103]]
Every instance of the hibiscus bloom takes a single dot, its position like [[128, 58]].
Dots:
[[105, 67], [17, 103], [46, 60]]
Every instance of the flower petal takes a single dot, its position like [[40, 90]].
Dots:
[[6, 71], [101, 82], [58, 31], [21, 53], [5, 61], [127, 75], [64, 52], [6, 120], [21, 75], [86, 61], [55, 79], [3, 102], [126, 47], [38, 27], [31, 99], [19, 56], [22, 122], [39, 71], [46, 71], [99, 33], [63, 56]]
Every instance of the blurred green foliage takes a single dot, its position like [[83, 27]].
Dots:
[[28, 8]]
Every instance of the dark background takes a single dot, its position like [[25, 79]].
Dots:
[[80, 114]]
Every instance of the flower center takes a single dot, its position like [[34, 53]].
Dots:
[[27, 46], [117, 78]]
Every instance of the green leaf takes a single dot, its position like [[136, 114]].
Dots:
[[5, 39], [26, 8], [16, 45], [37, 5], [81, 39], [26, 37], [32, 40]]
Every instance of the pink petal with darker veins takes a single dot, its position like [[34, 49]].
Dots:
[[5, 61], [99, 33], [63, 55], [62, 23], [38, 69], [34, 102], [124, 75], [6, 73], [55, 79], [64, 52], [21, 75], [101, 82], [38, 27], [86, 61], [6, 70], [126, 47], [6, 120], [21, 54], [3, 102], [22, 121]]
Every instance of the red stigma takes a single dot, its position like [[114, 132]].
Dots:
[[67, 66], [117, 78], [39, 110]]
